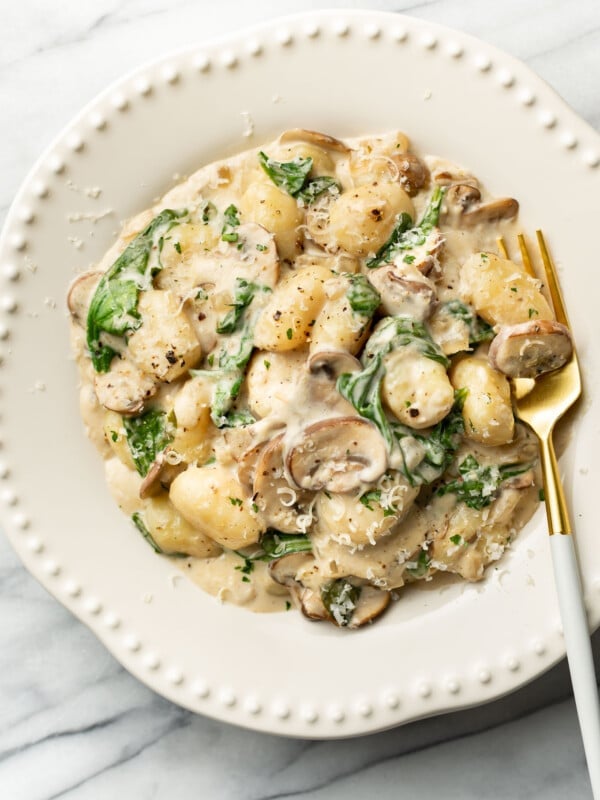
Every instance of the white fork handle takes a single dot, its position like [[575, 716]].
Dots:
[[579, 651]]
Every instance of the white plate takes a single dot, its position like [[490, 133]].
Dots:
[[344, 74]]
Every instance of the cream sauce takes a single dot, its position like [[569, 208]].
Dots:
[[283, 394]]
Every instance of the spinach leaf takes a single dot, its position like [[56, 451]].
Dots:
[[340, 598], [230, 223], [147, 436], [289, 176], [421, 565], [140, 525], [292, 177], [113, 309], [363, 296], [478, 485], [276, 545], [238, 419], [228, 377], [362, 389], [374, 496], [244, 295], [479, 330], [439, 445], [407, 236], [316, 187]]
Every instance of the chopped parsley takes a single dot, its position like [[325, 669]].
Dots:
[[231, 221], [420, 566], [289, 333], [235, 501], [478, 485], [177, 247]]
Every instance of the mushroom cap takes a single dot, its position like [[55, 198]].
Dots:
[[337, 454], [462, 196], [277, 500], [403, 295], [124, 388], [80, 293], [371, 604], [412, 172], [314, 137], [503, 208], [285, 570], [247, 465], [332, 363], [529, 349], [161, 474]]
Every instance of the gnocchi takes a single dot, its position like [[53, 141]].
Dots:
[[296, 369]]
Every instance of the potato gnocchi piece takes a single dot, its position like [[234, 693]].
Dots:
[[165, 344], [416, 389], [174, 534], [214, 503], [271, 380], [502, 292], [364, 519], [276, 211], [359, 221], [338, 326], [487, 409], [288, 317]]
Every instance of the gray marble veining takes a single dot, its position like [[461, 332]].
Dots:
[[73, 724]]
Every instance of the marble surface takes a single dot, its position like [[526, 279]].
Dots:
[[73, 724]]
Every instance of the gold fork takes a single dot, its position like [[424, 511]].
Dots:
[[541, 408]]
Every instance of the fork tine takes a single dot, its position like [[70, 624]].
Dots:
[[502, 246], [525, 257], [552, 279]]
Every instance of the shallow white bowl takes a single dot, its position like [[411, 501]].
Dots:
[[346, 74]]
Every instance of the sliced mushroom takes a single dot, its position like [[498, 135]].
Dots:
[[448, 177], [277, 500], [124, 388], [314, 137], [80, 294], [404, 295], [522, 481], [247, 464], [332, 363], [161, 474], [371, 604], [338, 455], [462, 197], [531, 348], [285, 571], [412, 172], [504, 208]]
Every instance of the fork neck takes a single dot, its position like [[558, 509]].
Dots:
[[556, 506]]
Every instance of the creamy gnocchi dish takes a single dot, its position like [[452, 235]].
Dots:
[[297, 368]]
